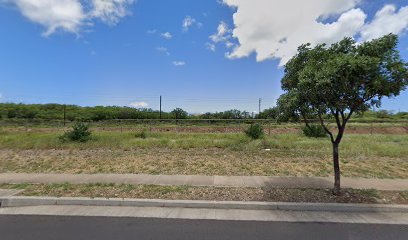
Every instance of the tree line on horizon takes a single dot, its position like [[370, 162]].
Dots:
[[103, 113]]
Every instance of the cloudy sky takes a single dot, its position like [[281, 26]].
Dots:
[[201, 55]]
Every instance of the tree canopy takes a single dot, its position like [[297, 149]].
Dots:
[[334, 82], [179, 113], [343, 78]]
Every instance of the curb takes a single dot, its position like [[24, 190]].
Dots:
[[319, 207]]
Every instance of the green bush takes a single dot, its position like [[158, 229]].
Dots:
[[79, 133], [143, 134], [255, 131], [314, 131]]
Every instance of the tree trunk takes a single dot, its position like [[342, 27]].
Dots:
[[336, 165]]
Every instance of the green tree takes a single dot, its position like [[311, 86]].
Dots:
[[179, 113], [271, 113], [334, 82]]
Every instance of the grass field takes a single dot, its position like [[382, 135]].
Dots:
[[362, 155]]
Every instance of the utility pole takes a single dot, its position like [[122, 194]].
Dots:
[[260, 102], [160, 107]]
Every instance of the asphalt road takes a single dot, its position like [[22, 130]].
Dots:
[[101, 228]]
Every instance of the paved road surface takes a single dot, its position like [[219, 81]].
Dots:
[[101, 228]]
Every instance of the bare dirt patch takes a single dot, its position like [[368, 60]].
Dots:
[[212, 193]]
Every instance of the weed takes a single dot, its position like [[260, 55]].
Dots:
[[143, 134], [79, 133], [255, 131]]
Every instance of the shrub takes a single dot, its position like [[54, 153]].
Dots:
[[255, 131], [143, 134], [383, 114], [314, 131], [79, 133]]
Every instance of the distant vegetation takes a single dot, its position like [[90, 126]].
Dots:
[[100, 113], [75, 113]]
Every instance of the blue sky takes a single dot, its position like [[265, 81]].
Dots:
[[122, 58]]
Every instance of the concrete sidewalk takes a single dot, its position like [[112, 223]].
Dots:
[[389, 218], [210, 181]]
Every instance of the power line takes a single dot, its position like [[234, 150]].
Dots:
[[197, 104], [168, 97]]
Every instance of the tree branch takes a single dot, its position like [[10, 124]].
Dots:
[[325, 127], [336, 116], [305, 119], [343, 126], [342, 116], [348, 118]]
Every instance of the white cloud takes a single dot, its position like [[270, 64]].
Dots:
[[179, 63], [67, 15], [110, 11], [70, 15], [163, 50], [386, 21], [138, 104], [152, 31], [223, 33], [167, 35], [211, 47], [189, 22], [274, 29], [229, 44]]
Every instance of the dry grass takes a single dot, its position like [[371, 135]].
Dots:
[[387, 127], [211, 193], [369, 156], [196, 162]]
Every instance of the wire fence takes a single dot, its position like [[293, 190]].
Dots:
[[271, 126]]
